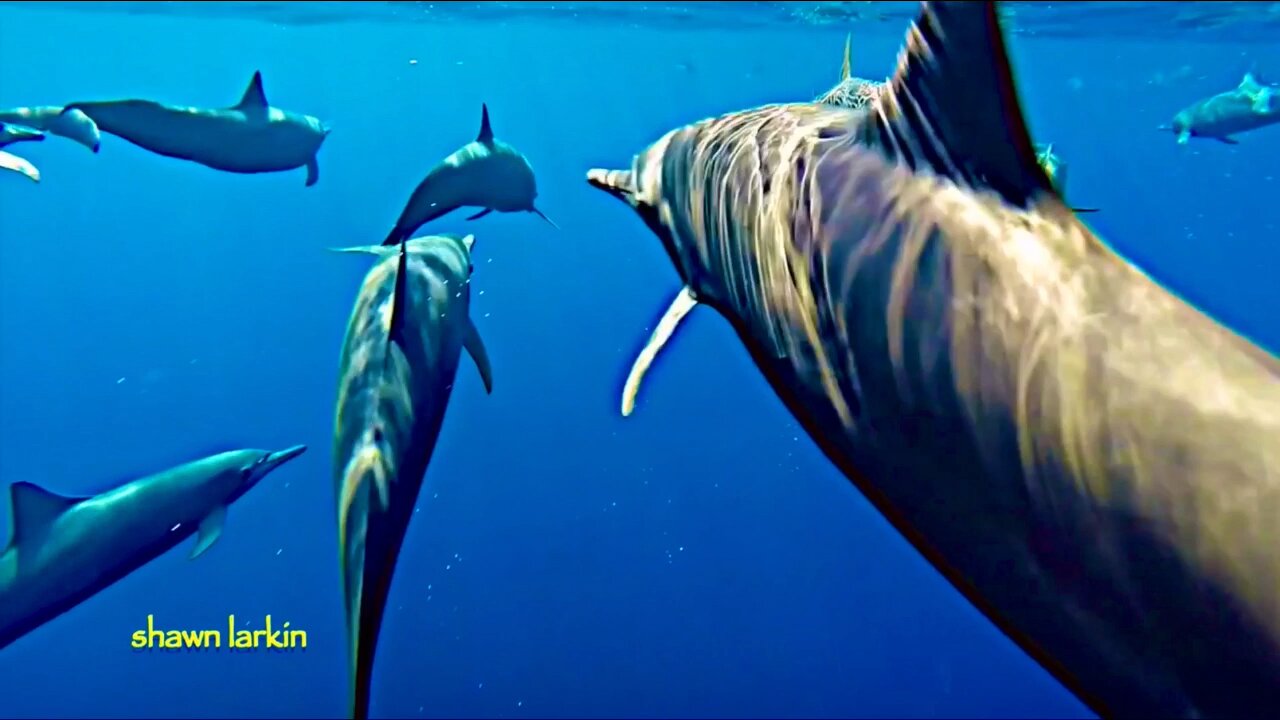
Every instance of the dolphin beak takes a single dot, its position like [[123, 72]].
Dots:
[[618, 183], [276, 459]]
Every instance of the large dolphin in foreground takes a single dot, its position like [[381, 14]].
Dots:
[[1248, 106], [1093, 462], [399, 360], [485, 173], [64, 550], [248, 137], [56, 120]]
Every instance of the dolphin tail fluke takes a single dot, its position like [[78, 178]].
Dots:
[[679, 308], [550, 222], [313, 171], [475, 348]]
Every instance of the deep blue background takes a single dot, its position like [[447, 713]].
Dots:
[[698, 559]]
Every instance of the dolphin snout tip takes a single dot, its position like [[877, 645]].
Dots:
[[283, 456]]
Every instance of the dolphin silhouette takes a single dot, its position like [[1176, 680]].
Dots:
[[1089, 459], [485, 173], [248, 137], [56, 120], [1248, 106], [64, 550], [399, 361]]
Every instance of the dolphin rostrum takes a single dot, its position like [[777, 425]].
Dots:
[[22, 166], [486, 173], [1055, 168], [851, 92], [1248, 106], [55, 120], [248, 137], [399, 360], [64, 550], [1090, 460]]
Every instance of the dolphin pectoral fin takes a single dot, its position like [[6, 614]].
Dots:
[[209, 532], [1183, 137], [9, 161], [550, 222], [1228, 140], [475, 348], [480, 214], [684, 301], [313, 171]]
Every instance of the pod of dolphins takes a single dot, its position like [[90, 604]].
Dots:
[[1090, 460]]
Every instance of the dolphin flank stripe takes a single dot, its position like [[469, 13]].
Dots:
[[1090, 460]]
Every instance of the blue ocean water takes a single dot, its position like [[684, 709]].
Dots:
[[699, 559]]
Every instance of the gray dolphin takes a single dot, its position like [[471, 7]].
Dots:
[[13, 133], [22, 166], [851, 92], [55, 120], [1056, 169], [485, 173], [1090, 460], [64, 550], [1248, 106], [399, 360], [248, 137]]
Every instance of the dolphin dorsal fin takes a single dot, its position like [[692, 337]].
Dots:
[[952, 107], [1249, 81], [254, 97], [846, 70], [486, 132], [35, 510]]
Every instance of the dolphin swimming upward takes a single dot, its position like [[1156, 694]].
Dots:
[[248, 137], [1090, 460], [485, 173], [64, 550], [399, 361], [1248, 106]]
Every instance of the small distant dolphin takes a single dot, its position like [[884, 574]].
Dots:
[[485, 173], [9, 161], [1089, 459], [13, 133], [1056, 169], [248, 137], [399, 361], [1248, 106], [55, 120], [851, 92], [64, 550]]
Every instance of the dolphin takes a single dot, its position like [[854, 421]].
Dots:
[[851, 92], [1248, 106], [64, 550], [1055, 168], [400, 357], [9, 161], [485, 173], [248, 137], [13, 133], [1089, 459], [55, 120]]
